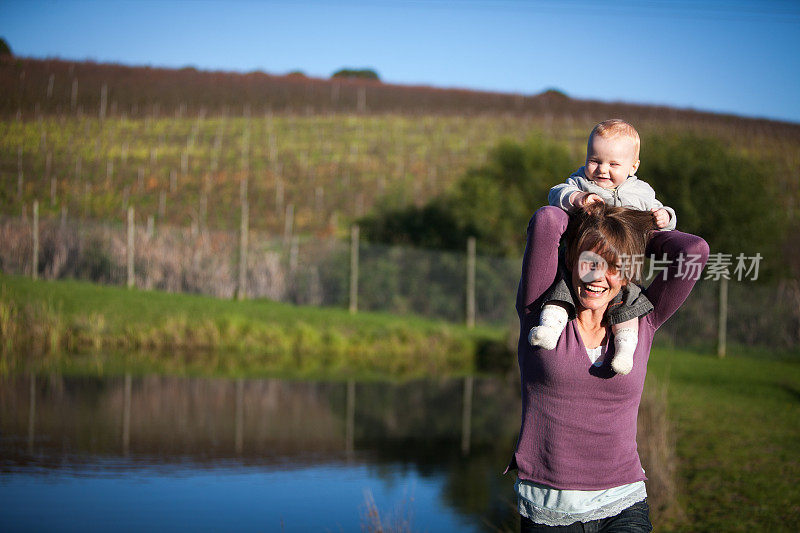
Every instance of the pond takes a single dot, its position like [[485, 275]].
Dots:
[[165, 453]]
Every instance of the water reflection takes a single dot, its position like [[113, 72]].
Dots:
[[436, 447]]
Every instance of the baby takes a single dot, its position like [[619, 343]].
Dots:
[[612, 158]]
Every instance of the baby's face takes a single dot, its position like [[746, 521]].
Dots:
[[609, 162]]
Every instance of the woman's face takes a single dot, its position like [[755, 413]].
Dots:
[[594, 282]]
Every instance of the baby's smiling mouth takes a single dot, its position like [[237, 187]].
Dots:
[[604, 183]]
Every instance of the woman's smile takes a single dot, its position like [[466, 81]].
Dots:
[[592, 292], [593, 289]]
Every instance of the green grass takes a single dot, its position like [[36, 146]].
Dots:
[[73, 326], [737, 424]]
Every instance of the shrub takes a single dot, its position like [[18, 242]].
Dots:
[[5, 50], [492, 202], [722, 195], [364, 74]]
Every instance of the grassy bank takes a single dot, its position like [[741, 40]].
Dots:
[[736, 424], [70, 326]]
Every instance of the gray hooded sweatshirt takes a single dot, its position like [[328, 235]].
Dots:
[[633, 193]]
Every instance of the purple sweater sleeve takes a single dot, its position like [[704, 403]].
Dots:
[[680, 258], [540, 263], [681, 255]]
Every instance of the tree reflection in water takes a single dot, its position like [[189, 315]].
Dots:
[[460, 431]]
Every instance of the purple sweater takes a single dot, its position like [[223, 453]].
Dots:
[[579, 421]]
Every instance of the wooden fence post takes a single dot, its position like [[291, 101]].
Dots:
[[241, 292], [35, 235], [294, 254], [162, 205], [103, 101], [73, 100], [362, 100], [149, 232], [288, 223], [354, 235], [129, 251], [471, 282], [279, 195], [722, 324]]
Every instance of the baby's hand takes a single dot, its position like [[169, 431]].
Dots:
[[662, 217], [582, 199]]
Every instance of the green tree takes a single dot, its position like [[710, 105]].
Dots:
[[727, 198], [493, 202], [364, 74], [718, 193], [496, 200], [433, 225], [5, 50]]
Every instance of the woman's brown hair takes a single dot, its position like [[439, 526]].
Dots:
[[617, 234]]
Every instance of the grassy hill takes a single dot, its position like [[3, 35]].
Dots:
[[64, 87], [88, 139]]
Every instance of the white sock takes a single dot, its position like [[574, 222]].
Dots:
[[625, 342], [551, 324]]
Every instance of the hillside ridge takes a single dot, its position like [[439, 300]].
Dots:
[[58, 86]]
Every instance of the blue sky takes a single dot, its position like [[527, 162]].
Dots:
[[740, 56]]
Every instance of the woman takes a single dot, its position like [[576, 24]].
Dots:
[[576, 457]]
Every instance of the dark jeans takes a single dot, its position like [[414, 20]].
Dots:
[[634, 519]]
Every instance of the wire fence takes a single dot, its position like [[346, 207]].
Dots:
[[317, 271], [299, 271]]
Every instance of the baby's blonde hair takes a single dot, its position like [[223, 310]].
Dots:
[[615, 127]]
